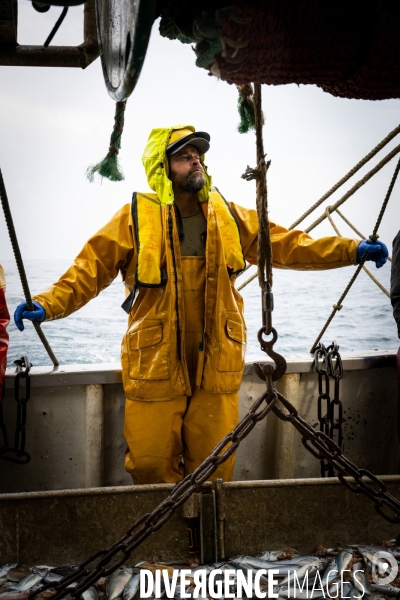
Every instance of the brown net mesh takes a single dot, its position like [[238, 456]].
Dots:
[[348, 48]]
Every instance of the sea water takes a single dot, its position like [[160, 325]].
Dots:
[[303, 302]]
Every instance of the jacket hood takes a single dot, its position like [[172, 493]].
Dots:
[[155, 163]]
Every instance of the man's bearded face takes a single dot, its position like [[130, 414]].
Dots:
[[186, 170]]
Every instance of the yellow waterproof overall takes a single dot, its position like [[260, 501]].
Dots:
[[160, 434], [172, 411]]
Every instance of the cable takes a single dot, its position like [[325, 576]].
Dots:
[[56, 26]]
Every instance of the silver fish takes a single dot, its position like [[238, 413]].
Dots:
[[131, 587], [371, 556], [5, 568], [301, 594], [52, 577], [272, 555], [317, 564], [90, 594], [64, 570], [361, 582], [245, 569], [387, 590], [343, 560], [117, 581], [178, 591], [330, 573], [344, 590], [27, 582]]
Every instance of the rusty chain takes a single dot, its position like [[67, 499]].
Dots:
[[321, 366], [17, 453], [151, 522], [325, 448], [328, 364], [317, 442]]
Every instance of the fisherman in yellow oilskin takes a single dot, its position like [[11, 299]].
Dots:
[[179, 249]]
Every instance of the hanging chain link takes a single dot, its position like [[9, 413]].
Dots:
[[336, 409], [328, 364], [17, 453], [324, 401]]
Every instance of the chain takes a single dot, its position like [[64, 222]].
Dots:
[[321, 366], [328, 363], [336, 408], [17, 453], [151, 522], [317, 442], [321, 446]]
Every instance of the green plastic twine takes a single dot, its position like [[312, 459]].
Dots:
[[246, 108], [109, 167]]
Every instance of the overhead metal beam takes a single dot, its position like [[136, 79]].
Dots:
[[17, 55]]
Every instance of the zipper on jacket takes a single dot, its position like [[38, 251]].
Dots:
[[171, 239]]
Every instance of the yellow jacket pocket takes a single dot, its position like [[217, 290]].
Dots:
[[233, 345], [148, 351]]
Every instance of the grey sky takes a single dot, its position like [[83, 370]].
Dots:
[[56, 122]]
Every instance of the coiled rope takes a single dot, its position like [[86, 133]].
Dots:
[[21, 269]]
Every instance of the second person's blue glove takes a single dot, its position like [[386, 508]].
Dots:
[[22, 312], [376, 251]]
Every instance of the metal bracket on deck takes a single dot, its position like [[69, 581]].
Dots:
[[203, 505], [220, 517]]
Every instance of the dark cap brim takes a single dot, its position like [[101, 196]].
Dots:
[[199, 139]]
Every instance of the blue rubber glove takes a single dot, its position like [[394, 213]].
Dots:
[[22, 312], [376, 252]]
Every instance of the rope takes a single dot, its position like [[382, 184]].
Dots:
[[21, 269], [363, 237], [264, 248], [356, 187], [246, 282], [352, 191], [373, 237], [109, 166], [368, 272], [354, 170]]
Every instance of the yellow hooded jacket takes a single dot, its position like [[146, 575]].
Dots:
[[153, 348]]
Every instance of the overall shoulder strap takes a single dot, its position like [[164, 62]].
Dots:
[[228, 225], [146, 214]]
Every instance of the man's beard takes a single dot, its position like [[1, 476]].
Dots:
[[193, 183]]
